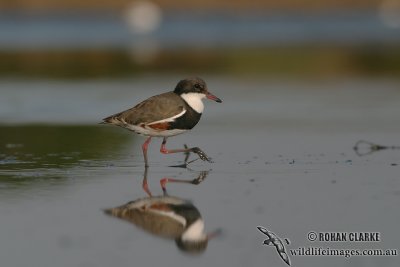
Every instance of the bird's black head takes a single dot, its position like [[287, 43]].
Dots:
[[195, 85], [191, 85]]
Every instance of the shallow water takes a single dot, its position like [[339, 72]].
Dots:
[[283, 159]]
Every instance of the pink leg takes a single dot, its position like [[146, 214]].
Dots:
[[198, 180], [145, 186], [196, 150], [164, 181], [144, 148]]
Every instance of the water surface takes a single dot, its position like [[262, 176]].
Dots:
[[283, 159]]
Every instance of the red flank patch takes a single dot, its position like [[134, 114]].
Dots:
[[160, 126], [160, 206]]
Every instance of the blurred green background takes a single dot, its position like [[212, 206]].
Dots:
[[112, 39]]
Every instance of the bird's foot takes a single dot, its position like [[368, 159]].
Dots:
[[202, 176], [201, 154]]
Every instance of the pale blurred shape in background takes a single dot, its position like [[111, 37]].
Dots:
[[390, 13], [143, 17]]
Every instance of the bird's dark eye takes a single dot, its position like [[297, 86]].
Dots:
[[197, 86]]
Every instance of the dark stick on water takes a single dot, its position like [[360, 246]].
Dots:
[[363, 148]]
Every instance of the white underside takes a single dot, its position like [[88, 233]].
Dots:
[[147, 131], [194, 100], [157, 199]]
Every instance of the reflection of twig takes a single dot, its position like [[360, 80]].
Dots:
[[363, 148]]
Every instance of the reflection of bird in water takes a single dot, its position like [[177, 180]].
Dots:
[[274, 240], [169, 217], [166, 115]]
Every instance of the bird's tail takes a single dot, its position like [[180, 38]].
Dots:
[[108, 120]]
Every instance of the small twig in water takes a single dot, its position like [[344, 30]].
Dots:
[[363, 148]]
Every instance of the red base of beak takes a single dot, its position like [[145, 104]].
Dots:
[[213, 97]]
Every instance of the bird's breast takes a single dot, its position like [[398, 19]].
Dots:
[[187, 121]]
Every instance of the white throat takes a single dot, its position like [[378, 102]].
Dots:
[[194, 232], [194, 100]]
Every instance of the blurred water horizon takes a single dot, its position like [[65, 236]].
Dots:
[[92, 44], [176, 30]]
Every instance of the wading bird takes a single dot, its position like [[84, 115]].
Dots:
[[166, 115]]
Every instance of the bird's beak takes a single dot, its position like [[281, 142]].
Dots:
[[214, 234], [213, 97]]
